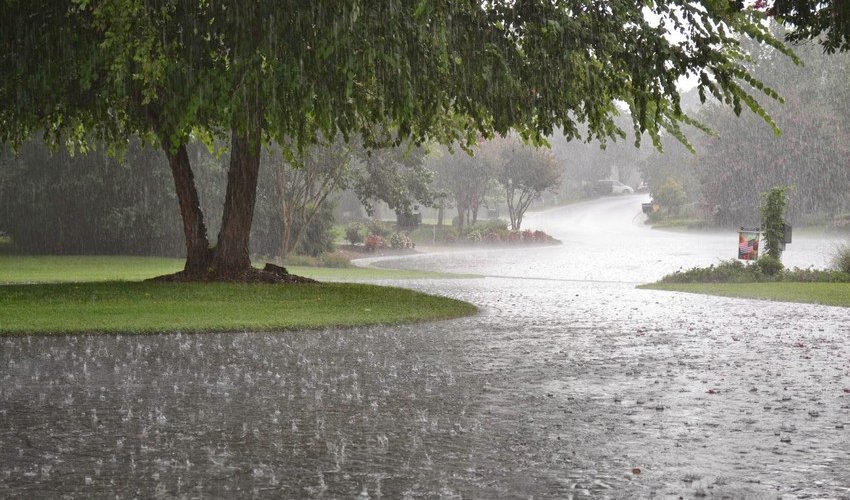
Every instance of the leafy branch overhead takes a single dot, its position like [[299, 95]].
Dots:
[[291, 72], [333, 67]]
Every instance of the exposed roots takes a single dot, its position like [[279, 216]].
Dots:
[[269, 274]]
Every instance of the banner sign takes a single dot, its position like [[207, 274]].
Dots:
[[748, 245]]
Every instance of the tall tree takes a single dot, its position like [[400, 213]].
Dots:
[[465, 176], [291, 70], [525, 173], [304, 186]]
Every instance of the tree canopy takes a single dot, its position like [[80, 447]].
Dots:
[[730, 169], [292, 71], [825, 20]]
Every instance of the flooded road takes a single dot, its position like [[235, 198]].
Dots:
[[570, 383]]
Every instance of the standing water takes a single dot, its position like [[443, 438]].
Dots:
[[570, 383]]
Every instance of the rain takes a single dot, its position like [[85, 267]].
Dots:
[[569, 382]]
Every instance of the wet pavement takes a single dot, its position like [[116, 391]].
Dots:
[[570, 383]]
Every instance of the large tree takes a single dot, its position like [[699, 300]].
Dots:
[[291, 71]]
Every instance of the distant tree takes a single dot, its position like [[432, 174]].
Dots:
[[670, 195], [305, 183], [466, 176], [88, 202], [584, 163], [396, 176], [525, 172], [827, 21], [746, 158]]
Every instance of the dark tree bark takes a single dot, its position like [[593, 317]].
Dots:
[[231, 253], [198, 254]]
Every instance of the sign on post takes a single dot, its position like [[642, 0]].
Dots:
[[748, 244]]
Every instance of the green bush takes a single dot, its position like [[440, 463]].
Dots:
[[773, 220], [400, 240], [354, 233], [490, 226], [671, 194], [765, 270], [377, 228], [841, 258], [317, 237], [769, 265], [727, 271]]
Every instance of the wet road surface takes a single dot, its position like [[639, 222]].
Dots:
[[570, 383]]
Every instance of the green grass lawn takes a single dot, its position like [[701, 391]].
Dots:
[[61, 269], [833, 294], [105, 294]]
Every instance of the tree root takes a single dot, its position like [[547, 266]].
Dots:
[[269, 274]]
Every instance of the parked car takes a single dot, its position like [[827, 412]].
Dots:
[[613, 187]]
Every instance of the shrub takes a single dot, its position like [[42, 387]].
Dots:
[[491, 231], [769, 265], [671, 194], [489, 226], [841, 258], [375, 242], [354, 233], [375, 227], [773, 220], [493, 237], [727, 271], [527, 235], [400, 240], [734, 271], [317, 236]]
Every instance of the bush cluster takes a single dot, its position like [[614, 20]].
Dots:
[[763, 270], [841, 258], [354, 233], [401, 240], [375, 242], [492, 232]]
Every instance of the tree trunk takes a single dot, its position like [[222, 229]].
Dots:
[[197, 244], [509, 195], [231, 254]]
